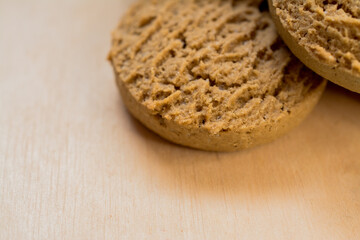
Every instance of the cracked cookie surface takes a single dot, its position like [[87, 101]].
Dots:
[[195, 69], [328, 31]]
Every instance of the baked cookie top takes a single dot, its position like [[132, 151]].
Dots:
[[213, 64], [329, 30]]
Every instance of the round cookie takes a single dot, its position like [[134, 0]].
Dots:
[[212, 75], [324, 35]]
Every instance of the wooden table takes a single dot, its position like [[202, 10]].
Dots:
[[75, 165]]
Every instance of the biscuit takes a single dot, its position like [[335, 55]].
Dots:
[[324, 35], [212, 75]]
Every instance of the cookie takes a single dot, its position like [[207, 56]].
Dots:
[[324, 35], [212, 75]]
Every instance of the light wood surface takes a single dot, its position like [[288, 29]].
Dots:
[[75, 165]]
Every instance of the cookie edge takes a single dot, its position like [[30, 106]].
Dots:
[[239, 139]]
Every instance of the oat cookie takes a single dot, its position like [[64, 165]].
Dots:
[[210, 74], [324, 35]]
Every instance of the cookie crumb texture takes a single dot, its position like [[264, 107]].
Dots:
[[207, 74], [330, 29]]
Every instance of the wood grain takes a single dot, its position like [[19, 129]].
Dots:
[[75, 165]]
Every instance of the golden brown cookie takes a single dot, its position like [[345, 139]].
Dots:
[[212, 75], [324, 35]]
